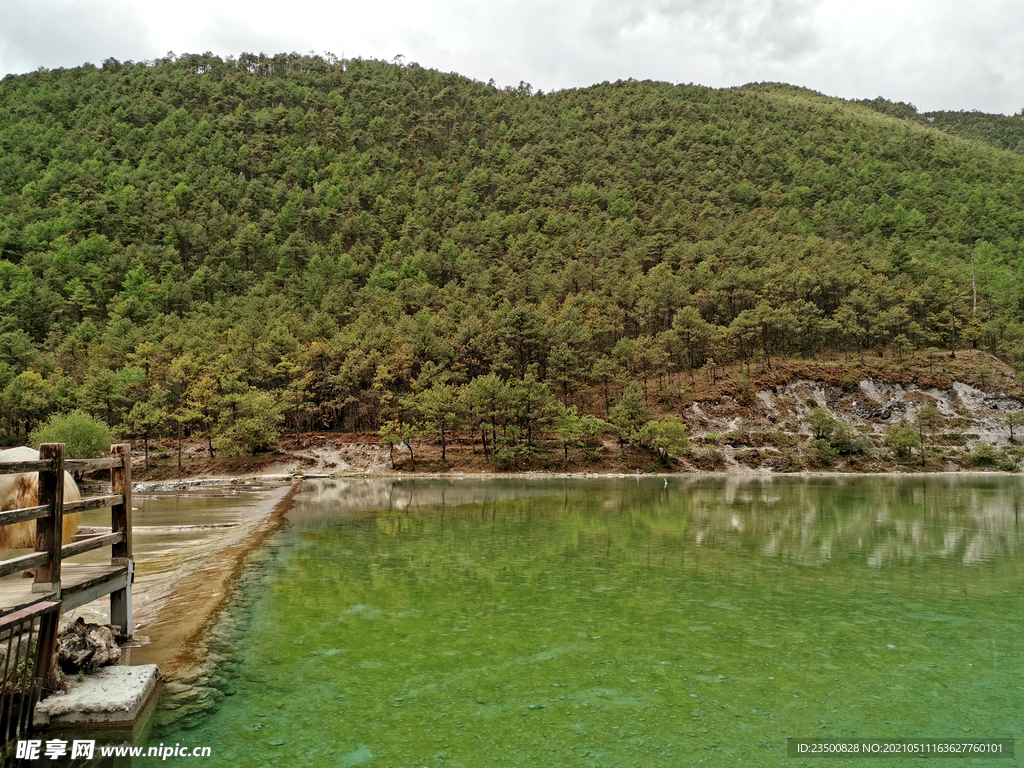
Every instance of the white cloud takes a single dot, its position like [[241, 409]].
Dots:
[[67, 33]]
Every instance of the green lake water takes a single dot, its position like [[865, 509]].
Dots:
[[623, 622]]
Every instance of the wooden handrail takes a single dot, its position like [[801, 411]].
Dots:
[[90, 465], [31, 612], [82, 505], [93, 502], [22, 515], [9, 622], [15, 564], [71, 465], [91, 543], [13, 467]]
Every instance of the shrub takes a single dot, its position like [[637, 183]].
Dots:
[[667, 436], [505, 459], [847, 441], [823, 423], [901, 438], [256, 427], [821, 453], [841, 437], [84, 437], [748, 457], [983, 455], [746, 392], [708, 458], [510, 458]]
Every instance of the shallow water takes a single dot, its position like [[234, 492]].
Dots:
[[170, 530], [168, 523], [622, 622]]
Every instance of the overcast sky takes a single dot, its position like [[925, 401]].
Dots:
[[936, 54]]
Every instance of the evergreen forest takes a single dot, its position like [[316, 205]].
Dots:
[[228, 249]]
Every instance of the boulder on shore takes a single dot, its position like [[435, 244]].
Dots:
[[85, 647]]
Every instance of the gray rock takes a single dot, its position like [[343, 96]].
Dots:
[[84, 647]]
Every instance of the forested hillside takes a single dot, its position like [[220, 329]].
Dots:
[[228, 248], [1003, 131]]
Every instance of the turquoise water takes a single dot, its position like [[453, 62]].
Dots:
[[623, 622]]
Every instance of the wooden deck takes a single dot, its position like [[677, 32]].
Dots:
[[79, 584]]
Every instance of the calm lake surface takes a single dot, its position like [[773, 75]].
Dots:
[[623, 622]]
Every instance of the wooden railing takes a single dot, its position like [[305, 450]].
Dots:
[[27, 648], [29, 612], [50, 551]]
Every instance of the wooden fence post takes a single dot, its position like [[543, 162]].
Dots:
[[46, 647], [121, 522], [49, 529]]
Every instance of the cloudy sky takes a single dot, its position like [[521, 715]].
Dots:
[[936, 54]]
